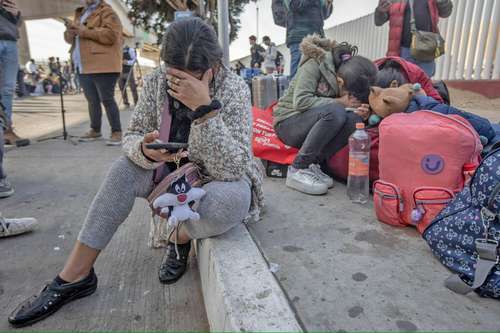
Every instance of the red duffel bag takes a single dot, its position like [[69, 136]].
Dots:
[[339, 163], [266, 144]]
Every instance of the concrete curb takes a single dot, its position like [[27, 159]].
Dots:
[[240, 292]]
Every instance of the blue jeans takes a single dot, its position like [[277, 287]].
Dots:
[[8, 74], [295, 58], [428, 67], [2, 174]]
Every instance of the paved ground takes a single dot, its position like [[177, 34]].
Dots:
[[55, 182], [343, 270], [39, 117]]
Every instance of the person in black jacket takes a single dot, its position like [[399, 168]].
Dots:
[[257, 53], [305, 17]]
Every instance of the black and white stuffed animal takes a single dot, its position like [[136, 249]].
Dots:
[[175, 203]]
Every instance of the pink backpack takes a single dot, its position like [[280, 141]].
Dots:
[[421, 163]]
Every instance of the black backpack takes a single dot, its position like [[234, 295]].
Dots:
[[126, 54], [279, 58], [280, 12], [442, 89]]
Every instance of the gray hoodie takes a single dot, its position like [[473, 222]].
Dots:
[[8, 25]]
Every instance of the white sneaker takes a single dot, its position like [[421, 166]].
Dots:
[[11, 227], [323, 176], [306, 181]]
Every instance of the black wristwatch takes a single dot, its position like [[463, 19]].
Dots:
[[205, 109]]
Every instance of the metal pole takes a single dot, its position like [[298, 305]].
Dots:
[[223, 16], [492, 46], [483, 37], [257, 9]]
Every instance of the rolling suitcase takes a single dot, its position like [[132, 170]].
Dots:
[[267, 89]]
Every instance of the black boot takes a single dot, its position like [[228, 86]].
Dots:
[[172, 269], [51, 299]]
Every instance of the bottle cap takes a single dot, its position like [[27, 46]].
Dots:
[[360, 125], [469, 167]]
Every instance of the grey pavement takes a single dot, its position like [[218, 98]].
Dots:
[[55, 182], [343, 270]]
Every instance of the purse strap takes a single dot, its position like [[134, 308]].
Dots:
[[166, 123]]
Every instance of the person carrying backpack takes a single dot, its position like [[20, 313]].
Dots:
[[269, 64], [127, 77], [257, 52], [300, 18]]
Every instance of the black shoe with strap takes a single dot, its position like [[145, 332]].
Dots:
[[174, 264], [52, 297]]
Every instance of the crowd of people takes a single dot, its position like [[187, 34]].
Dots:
[[51, 78], [193, 99]]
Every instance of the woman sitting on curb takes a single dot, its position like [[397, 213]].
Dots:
[[312, 115], [219, 142]]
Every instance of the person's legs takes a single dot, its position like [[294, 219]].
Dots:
[[295, 55], [428, 67], [8, 74], [111, 206], [2, 172], [123, 88], [311, 131], [106, 84], [94, 102], [113, 203], [77, 81], [6, 189], [225, 205], [133, 86], [342, 138]]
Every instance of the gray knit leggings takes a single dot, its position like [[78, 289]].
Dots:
[[225, 205]]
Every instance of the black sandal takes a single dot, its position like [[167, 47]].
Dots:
[[52, 297]]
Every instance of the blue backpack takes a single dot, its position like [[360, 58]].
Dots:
[[465, 236]]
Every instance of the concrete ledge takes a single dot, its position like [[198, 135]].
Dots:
[[240, 292]]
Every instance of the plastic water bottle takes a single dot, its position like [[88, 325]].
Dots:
[[358, 181]]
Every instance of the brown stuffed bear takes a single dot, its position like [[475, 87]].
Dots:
[[384, 102]]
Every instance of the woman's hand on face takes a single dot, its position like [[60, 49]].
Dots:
[[363, 111], [160, 155], [189, 90]]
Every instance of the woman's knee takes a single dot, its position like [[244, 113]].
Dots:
[[334, 112], [225, 205]]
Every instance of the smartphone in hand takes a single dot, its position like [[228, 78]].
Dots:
[[171, 147]]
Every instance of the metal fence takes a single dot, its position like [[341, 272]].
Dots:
[[471, 33]]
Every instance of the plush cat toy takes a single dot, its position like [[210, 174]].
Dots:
[[175, 203], [385, 102]]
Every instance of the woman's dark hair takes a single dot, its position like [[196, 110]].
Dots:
[[389, 72], [358, 73], [192, 45]]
